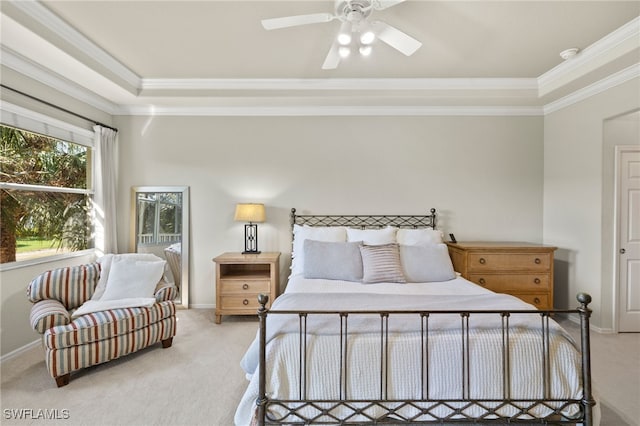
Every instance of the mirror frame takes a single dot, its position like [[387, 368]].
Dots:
[[183, 298]]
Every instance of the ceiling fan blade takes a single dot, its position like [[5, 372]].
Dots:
[[395, 38], [333, 57], [385, 4], [292, 21]]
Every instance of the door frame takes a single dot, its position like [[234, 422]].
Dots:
[[619, 149]]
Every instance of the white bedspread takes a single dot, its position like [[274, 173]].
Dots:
[[323, 379]]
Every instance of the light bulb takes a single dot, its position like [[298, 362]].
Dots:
[[365, 50], [344, 51], [367, 37], [344, 38]]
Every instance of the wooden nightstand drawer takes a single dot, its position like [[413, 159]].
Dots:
[[244, 286], [504, 283], [509, 262], [243, 302]]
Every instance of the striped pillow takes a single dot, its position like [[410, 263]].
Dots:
[[381, 264]]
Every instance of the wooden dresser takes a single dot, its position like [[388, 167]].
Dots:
[[239, 280], [524, 270]]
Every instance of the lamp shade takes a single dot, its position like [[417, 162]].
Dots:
[[250, 212]]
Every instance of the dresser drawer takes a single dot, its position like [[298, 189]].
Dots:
[[241, 302], [540, 301], [244, 286], [513, 282], [478, 262]]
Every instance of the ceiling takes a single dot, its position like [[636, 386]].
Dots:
[[214, 56]]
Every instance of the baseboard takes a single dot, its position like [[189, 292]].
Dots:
[[575, 318], [20, 351], [202, 306]]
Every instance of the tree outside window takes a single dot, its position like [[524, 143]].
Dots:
[[45, 196]]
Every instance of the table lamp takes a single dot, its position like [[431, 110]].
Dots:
[[252, 213]]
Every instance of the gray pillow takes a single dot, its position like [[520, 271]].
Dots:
[[381, 264], [332, 260], [426, 263]]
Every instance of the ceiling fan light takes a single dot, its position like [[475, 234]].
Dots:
[[344, 39], [367, 37], [365, 50], [344, 51]]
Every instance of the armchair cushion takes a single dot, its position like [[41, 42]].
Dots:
[[98, 326], [48, 313]]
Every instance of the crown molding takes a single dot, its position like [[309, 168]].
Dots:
[[338, 110], [53, 22], [366, 84], [622, 40], [600, 86], [35, 71]]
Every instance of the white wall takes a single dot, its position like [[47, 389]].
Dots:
[[15, 330], [483, 174], [578, 197]]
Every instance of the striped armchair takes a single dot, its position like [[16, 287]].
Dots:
[[72, 344]]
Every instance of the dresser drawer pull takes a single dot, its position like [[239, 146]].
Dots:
[[536, 281], [482, 281], [536, 301], [245, 286], [537, 261], [482, 261], [245, 302]]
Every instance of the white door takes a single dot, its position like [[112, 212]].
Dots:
[[628, 203]]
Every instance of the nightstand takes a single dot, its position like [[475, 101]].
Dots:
[[524, 270], [239, 280]]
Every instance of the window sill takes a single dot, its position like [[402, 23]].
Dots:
[[46, 259]]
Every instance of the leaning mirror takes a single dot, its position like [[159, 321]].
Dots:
[[160, 225]]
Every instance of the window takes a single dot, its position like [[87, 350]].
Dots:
[[45, 196]]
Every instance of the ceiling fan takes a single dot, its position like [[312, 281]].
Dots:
[[356, 30]]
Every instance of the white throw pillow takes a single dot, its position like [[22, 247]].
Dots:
[[336, 234], [416, 237], [130, 278], [426, 263], [373, 236], [105, 267], [332, 261]]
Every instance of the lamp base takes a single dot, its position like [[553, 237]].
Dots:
[[251, 252]]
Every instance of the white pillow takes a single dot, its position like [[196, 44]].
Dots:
[[335, 234], [332, 261], [105, 267], [373, 236], [416, 237], [426, 263], [130, 278]]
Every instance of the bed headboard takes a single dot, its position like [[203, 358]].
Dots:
[[366, 221]]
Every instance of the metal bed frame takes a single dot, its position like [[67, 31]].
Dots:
[[423, 410]]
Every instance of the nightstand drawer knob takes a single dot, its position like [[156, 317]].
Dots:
[[245, 302], [482, 281], [482, 261], [536, 301], [245, 286], [537, 261], [536, 281]]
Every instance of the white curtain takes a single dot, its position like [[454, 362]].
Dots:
[[105, 185]]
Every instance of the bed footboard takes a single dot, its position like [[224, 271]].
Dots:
[[426, 404]]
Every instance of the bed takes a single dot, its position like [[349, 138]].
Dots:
[[375, 327]]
